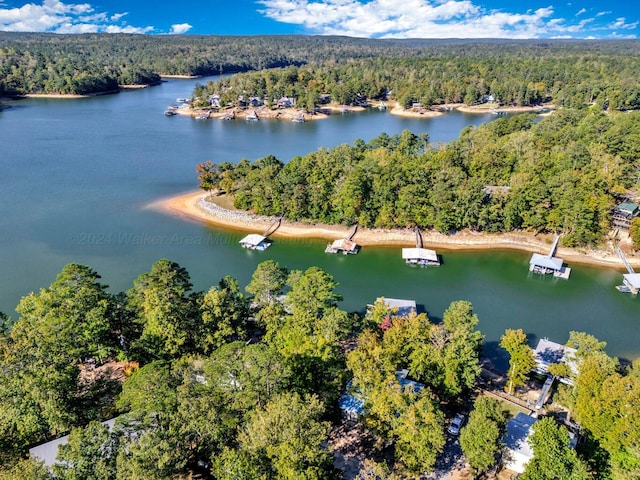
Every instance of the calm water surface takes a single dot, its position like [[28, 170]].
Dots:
[[77, 177]]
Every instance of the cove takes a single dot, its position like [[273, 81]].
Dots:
[[78, 176]]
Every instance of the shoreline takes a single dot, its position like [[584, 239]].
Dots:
[[193, 207]]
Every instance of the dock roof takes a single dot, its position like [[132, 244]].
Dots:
[[554, 263], [405, 307], [344, 244], [632, 279], [253, 239], [419, 254]]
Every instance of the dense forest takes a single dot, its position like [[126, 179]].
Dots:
[[514, 75], [235, 383], [561, 174], [569, 73]]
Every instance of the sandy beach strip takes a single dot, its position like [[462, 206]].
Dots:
[[193, 206]]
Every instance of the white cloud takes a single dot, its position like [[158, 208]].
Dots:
[[599, 14], [59, 17], [423, 19], [179, 28]]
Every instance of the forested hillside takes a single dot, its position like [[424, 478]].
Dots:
[[243, 383], [570, 73], [561, 174]]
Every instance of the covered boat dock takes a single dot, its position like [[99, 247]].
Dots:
[[255, 241], [548, 264], [344, 245]]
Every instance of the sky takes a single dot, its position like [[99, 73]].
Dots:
[[590, 19]]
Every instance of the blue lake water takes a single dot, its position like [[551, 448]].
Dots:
[[77, 177]]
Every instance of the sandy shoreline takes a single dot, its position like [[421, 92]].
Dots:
[[192, 206]]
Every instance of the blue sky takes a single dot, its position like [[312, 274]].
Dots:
[[613, 19]]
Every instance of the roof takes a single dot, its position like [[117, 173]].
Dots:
[[344, 244], [629, 208], [419, 253], [405, 307], [253, 239], [632, 279], [47, 452], [515, 440], [554, 263], [548, 353]]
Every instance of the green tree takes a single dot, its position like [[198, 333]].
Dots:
[[89, 453], [552, 456], [165, 309], [521, 359], [224, 316], [480, 439], [26, 469], [209, 176], [634, 232], [419, 435], [287, 436], [267, 282]]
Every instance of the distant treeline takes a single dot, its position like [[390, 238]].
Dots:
[[513, 74], [571, 73], [562, 174]]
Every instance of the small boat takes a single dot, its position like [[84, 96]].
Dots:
[[182, 100], [298, 119], [253, 116], [170, 112], [203, 115]]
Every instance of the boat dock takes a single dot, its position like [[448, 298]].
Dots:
[[344, 245], [631, 280], [255, 241], [419, 255], [549, 264]]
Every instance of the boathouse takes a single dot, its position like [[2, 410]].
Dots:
[[630, 283], [404, 307], [255, 241], [548, 264], [343, 245], [420, 256]]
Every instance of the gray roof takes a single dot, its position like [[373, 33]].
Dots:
[[47, 452], [419, 253], [554, 263], [632, 279], [548, 353], [253, 239], [405, 307], [518, 429]]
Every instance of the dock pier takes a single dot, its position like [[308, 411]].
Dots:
[[344, 245], [631, 280], [549, 264], [419, 255]]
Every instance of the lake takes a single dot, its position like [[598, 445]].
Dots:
[[78, 176]]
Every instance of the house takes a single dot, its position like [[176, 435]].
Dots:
[[286, 102], [255, 102], [214, 101], [47, 452], [352, 404], [547, 353], [343, 245], [623, 214], [518, 452]]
